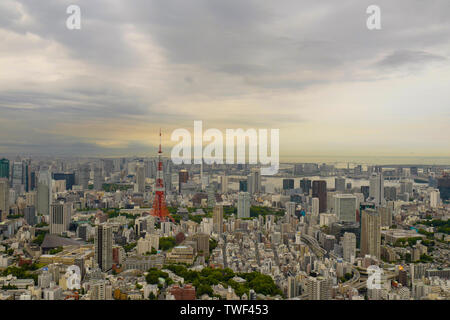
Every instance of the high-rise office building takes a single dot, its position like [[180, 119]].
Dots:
[[349, 246], [30, 215], [243, 205], [376, 189], [224, 184], [243, 185], [305, 185], [211, 194], [290, 209], [44, 192], [218, 219], [103, 247], [390, 193], [98, 178], [319, 190], [4, 168], [60, 215], [406, 186], [183, 177], [386, 216], [443, 185], [345, 207], [19, 176], [315, 206], [288, 184], [370, 233], [254, 181], [435, 198], [292, 287], [83, 231], [33, 180], [4, 197], [84, 176], [365, 190], [31, 199], [339, 184], [140, 178], [108, 166], [168, 182]]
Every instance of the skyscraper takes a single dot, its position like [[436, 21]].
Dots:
[[290, 209], [103, 247], [254, 181], [435, 198], [140, 178], [243, 185], [315, 206], [288, 184], [376, 189], [390, 193], [44, 192], [349, 246], [224, 184], [60, 215], [305, 185], [98, 178], [4, 197], [339, 184], [370, 232], [243, 209], [365, 191], [183, 177], [406, 186], [292, 287], [345, 207], [19, 176], [83, 176], [4, 168], [211, 193], [386, 216], [218, 219], [444, 187], [30, 215], [319, 190]]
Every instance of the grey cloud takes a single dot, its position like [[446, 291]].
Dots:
[[406, 57]]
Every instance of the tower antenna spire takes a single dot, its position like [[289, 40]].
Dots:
[[160, 151]]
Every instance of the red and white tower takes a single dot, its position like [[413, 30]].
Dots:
[[159, 203]]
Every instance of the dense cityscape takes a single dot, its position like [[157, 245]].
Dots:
[[312, 232]]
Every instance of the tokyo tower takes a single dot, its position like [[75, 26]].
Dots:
[[159, 203]]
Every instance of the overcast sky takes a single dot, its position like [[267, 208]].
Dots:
[[310, 68]]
